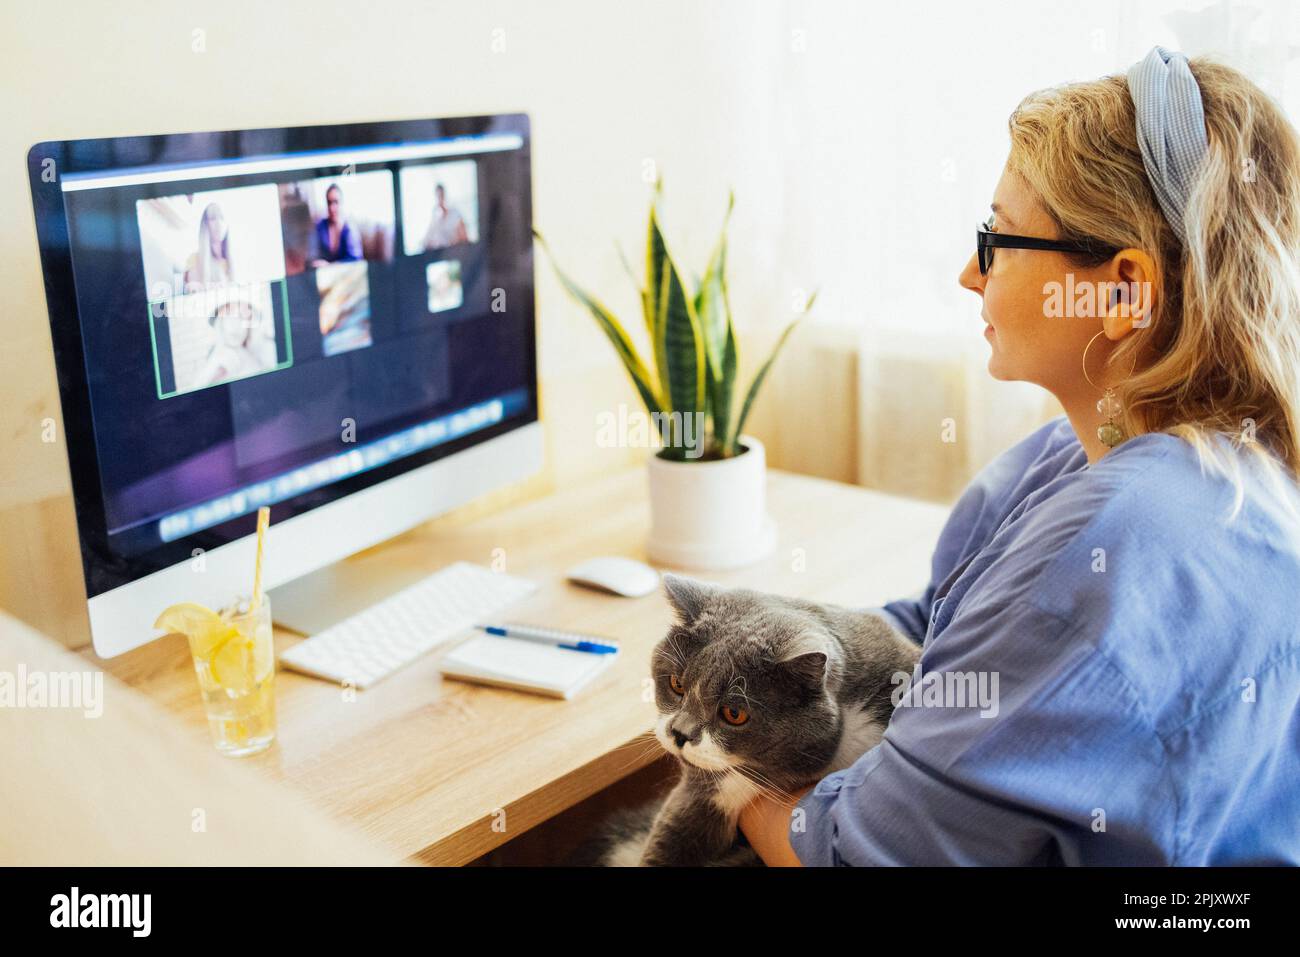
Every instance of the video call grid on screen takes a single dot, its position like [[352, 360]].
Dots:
[[294, 292], [210, 256]]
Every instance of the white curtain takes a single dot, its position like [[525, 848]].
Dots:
[[893, 137]]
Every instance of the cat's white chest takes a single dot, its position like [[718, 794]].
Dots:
[[733, 792], [861, 734]]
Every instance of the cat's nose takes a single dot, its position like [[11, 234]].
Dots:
[[682, 738]]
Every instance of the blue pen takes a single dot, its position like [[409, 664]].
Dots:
[[560, 639]]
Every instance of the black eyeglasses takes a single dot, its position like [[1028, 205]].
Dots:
[[986, 241]]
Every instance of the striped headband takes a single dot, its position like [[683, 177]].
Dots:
[[1170, 128]]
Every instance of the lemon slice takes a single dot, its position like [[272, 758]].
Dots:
[[205, 629], [263, 658], [234, 661], [186, 618], [232, 664]]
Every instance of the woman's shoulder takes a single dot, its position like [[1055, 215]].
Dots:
[[1003, 485], [1157, 489], [1149, 545], [1048, 448], [1031, 469], [1138, 562]]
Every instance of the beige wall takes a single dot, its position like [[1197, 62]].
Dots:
[[607, 100], [772, 99], [613, 92]]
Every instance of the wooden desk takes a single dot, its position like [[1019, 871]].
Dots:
[[442, 772]]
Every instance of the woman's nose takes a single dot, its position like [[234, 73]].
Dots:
[[971, 278]]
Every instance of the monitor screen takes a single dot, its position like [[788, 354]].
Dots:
[[278, 317]]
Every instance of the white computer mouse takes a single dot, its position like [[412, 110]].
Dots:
[[622, 576]]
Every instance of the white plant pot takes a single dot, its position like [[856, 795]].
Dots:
[[712, 515]]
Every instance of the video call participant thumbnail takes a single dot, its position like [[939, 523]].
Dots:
[[446, 224], [337, 219], [344, 290], [195, 241], [336, 240], [439, 206], [215, 336]]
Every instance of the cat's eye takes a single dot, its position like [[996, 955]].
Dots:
[[735, 716], [675, 683]]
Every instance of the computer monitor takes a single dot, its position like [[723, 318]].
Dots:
[[333, 321]]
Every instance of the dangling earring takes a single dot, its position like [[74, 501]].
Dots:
[[1110, 433]]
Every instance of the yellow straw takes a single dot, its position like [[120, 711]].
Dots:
[[263, 520]]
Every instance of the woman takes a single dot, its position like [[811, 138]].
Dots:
[[1130, 573], [336, 240], [210, 264]]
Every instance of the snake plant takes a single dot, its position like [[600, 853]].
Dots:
[[694, 348]]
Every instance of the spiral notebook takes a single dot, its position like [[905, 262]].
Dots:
[[524, 665]]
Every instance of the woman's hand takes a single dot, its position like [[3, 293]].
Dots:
[[765, 822]]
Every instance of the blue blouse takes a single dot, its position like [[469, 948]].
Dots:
[[1141, 661], [349, 247]]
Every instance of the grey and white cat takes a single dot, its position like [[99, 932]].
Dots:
[[755, 692]]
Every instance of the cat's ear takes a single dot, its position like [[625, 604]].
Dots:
[[687, 596], [807, 670]]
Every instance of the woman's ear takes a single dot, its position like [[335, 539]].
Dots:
[[1131, 293]]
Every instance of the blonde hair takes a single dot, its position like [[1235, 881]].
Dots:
[[1221, 355]]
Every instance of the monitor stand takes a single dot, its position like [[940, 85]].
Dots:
[[310, 604]]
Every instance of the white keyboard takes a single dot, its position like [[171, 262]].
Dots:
[[374, 643]]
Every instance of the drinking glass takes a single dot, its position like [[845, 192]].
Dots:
[[234, 658]]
